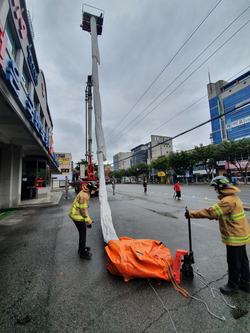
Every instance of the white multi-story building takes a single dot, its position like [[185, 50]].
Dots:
[[159, 146]]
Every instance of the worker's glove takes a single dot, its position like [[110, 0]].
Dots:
[[90, 225], [187, 214]]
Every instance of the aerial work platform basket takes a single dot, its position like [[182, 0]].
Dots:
[[86, 16]]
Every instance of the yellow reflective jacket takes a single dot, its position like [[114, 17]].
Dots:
[[232, 218], [78, 211]]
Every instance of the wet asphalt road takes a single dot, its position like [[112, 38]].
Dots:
[[46, 287]]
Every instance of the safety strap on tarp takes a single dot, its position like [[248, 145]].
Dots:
[[174, 283]]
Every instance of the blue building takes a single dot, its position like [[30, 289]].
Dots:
[[140, 153], [231, 101]]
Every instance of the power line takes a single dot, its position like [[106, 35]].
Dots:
[[228, 80], [199, 25], [237, 74], [178, 77], [172, 117], [188, 107], [191, 129], [183, 80]]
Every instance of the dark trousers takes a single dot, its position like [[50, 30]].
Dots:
[[81, 227], [238, 265], [178, 194]]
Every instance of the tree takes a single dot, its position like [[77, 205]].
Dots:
[[161, 163], [116, 174], [82, 161], [231, 151], [244, 152], [206, 157], [140, 168], [180, 162], [128, 172]]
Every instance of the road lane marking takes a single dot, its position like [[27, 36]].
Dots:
[[193, 197]]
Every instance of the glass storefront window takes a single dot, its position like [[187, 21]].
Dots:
[[41, 170], [41, 174], [31, 168]]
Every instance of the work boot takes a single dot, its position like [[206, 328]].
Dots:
[[244, 286], [228, 290], [88, 248], [85, 255]]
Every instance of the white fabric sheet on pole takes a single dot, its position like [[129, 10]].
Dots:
[[108, 230]]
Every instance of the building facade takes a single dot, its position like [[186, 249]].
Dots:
[[231, 101], [66, 166], [160, 146], [122, 161], [27, 158], [140, 154]]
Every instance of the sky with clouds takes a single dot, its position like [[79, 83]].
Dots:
[[153, 74]]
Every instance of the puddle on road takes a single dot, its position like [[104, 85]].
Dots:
[[164, 214]]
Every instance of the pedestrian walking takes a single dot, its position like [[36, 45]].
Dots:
[[235, 232], [177, 190], [145, 186], [80, 216]]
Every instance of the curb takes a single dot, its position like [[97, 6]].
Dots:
[[43, 204]]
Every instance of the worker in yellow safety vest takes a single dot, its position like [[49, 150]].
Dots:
[[80, 216]]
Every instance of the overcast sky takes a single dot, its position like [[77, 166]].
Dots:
[[155, 58]]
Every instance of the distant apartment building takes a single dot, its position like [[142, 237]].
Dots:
[[122, 161], [140, 154], [231, 101], [160, 146], [65, 163]]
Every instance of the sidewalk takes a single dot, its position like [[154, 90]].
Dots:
[[52, 199]]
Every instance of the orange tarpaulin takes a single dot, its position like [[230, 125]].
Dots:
[[140, 258]]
